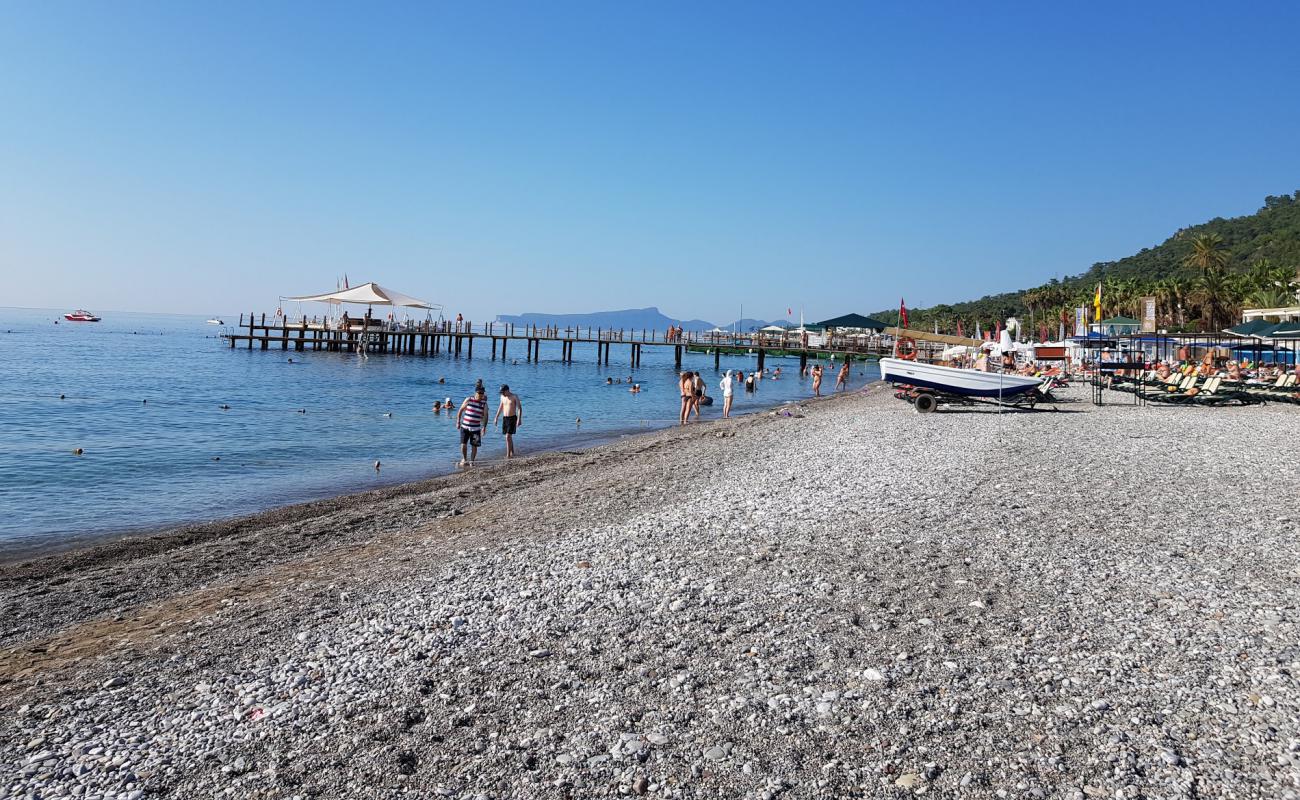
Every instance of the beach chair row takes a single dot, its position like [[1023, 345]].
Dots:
[[1212, 390]]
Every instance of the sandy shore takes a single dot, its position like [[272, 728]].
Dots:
[[853, 600]]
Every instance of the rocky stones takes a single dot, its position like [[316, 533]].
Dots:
[[766, 620]]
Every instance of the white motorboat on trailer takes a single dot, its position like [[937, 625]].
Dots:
[[932, 382], [951, 380]]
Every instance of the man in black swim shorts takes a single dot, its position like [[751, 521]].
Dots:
[[511, 413]]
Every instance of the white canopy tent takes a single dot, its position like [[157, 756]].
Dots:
[[367, 294], [773, 329]]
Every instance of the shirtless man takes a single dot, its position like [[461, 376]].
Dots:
[[842, 379], [511, 413], [817, 380]]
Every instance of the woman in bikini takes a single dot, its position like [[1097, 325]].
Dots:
[[686, 385]]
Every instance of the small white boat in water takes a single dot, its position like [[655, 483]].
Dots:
[[215, 321], [972, 383]]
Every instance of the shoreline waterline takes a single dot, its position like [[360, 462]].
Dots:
[[43, 548]]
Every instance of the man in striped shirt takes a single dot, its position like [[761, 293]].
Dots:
[[472, 419]]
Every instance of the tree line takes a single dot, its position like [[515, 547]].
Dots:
[[1201, 278]]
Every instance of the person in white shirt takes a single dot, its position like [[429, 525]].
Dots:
[[726, 386]]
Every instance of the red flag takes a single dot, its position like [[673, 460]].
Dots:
[[902, 313]]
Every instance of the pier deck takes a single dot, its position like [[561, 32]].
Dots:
[[458, 339]]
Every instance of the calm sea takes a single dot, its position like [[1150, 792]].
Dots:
[[142, 396]]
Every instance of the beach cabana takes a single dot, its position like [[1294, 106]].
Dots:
[[1252, 328], [856, 321], [1283, 330], [367, 294], [1116, 326]]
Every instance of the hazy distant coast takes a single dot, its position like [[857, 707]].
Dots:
[[632, 319]]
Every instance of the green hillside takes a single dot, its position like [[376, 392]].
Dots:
[[1201, 276]]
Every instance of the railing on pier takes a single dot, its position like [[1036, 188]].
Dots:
[[424, 336]]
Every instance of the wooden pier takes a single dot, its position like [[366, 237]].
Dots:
[[458, 339]]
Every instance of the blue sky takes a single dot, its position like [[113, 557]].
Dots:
[[512, 157]]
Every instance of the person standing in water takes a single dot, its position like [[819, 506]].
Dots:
[[817, 380], [686, 385], [726, 386], [511, 413], [697, 392], [471, 419], [842, 379]]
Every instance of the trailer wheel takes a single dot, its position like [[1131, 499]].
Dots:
[[925, 403]]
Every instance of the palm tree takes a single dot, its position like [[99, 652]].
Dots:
[[1216, 292], [1208, 252], [1168, 297], [1269, 286]]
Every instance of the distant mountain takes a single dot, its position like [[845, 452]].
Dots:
[[632, 318]]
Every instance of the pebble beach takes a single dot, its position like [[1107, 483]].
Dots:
[[841, 598]]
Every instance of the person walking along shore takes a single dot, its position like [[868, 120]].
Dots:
[[510, 411], [471, 419]]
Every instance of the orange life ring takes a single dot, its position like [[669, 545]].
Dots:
[[910, 353]]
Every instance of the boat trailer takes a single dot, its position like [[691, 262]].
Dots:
[[926, 399]]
